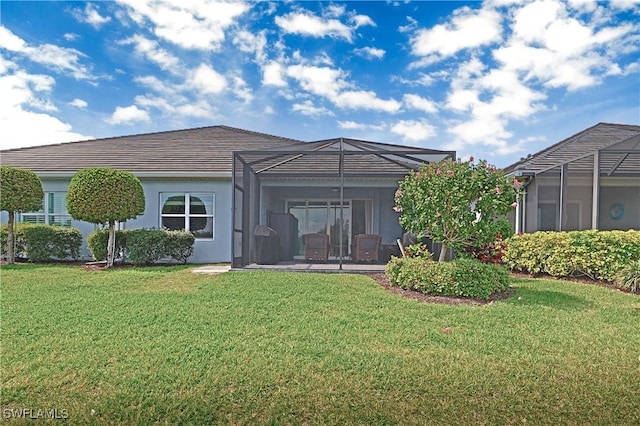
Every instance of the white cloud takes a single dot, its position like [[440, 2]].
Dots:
[[352, 125], [24, 97], [10, 41], [273, 75], [414, 131], [60, 59], [128, 115], [79, 103], [309, 109], [366, 100], [206, 80], [419, 103], [71, 36], [331, 84], [152, 51], [241, 89], [468, 28], [252, 43], [91, 16], [321, 81], [370, 52], [547, 47], [178, 107], [198, 25], [305, 23]]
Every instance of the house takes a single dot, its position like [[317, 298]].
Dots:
[[590, 180], [223, 184]]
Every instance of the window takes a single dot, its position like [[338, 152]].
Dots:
[[53, 211], [190, 211]]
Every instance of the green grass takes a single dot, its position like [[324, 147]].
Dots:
[[163, 345]]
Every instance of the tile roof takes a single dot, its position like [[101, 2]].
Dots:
[[204, 151], [600, 136]]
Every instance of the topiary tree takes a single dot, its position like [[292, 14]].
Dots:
[[21, 192], [102, 195], [455, 202]]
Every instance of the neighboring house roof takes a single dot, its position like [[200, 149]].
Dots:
[[599, 137], [204, 151]]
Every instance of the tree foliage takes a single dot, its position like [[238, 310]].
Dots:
[[103, 195], [21, 191], [455, 202]]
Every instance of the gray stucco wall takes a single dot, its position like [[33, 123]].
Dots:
[[213, 250]]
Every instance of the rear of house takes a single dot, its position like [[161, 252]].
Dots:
[[220, 183]]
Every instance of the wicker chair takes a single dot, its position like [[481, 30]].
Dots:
[[316, 247], [365, 247]]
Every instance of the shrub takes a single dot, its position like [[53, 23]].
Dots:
[[629, 278], [459, 278], [41, 243], [180, 245], [97, 242], [418, 250], [145, 246], [599, 255]]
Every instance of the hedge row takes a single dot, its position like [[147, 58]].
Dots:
[[458, 278], [144, 246], [600, 255], [42, 243]]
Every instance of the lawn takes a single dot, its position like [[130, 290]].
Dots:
[[163, 345]]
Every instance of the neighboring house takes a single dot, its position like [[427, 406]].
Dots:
[[590, 180], [220, 183]]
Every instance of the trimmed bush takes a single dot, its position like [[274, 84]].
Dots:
[[42, 243], [599, 255], [97, 242], [179, 245], [458, 278], [145, 246], [629, 278]]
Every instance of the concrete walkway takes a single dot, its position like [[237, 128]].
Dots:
[[211, 269]]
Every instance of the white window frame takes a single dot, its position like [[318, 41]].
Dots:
[[46, 215], [187, 211]]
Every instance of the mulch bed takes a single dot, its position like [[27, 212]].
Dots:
[[384, 282]]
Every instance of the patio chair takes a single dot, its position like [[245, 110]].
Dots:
[[316, 247], [365, 247]]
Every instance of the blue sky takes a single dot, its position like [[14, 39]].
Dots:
[[496, 80]]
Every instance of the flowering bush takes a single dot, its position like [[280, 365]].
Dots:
[[455, 202]]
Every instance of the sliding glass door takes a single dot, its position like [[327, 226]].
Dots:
[[324, 216]]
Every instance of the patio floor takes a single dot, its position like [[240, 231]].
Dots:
[[332, 266]]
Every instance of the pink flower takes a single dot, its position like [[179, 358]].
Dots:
[[450, 172], [471, 159], [498, 190], [438, 172], [399, 193], [514, 205], [516, 183], [397, 209]]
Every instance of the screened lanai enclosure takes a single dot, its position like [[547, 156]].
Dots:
[[327, 193], [599, 189]]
